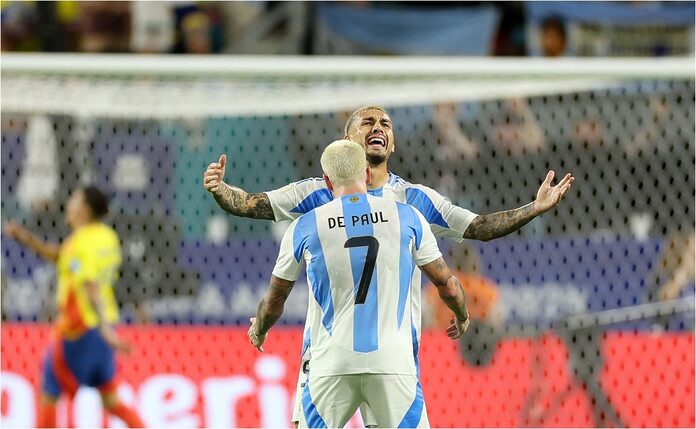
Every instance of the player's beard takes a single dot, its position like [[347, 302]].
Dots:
[[375, 159]]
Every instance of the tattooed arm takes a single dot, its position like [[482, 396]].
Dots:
[[233, 200], [269, 310], [238, 202], [451, 293], [499, 224], [495, 225]]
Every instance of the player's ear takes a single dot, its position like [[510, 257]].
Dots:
[[328, 183]]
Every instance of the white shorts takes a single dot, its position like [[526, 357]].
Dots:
[[365, 413], [395, 400]]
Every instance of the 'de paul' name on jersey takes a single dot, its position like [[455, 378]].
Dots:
[[365, 219]]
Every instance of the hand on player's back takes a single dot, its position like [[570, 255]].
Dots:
[[212, 178]]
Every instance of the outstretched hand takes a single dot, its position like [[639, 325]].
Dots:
[[549, 196], [212, 178], [14, 230]]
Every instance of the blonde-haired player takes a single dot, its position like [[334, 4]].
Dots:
[[361, 254], [344, 162]]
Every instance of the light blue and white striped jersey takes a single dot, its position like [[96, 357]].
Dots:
[[446, 219], [361, 254]]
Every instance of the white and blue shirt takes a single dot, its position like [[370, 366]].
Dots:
[[361, 254], [446, 219]]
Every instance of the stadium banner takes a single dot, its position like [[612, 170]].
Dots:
[[202, 376], [541, 281]]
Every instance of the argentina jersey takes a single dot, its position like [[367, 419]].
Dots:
[[362, 254], [446, 219]]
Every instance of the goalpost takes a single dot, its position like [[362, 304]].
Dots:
[[199, 86]]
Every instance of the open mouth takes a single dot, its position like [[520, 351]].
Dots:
[[377, 141]]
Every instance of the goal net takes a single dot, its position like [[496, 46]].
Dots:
[[583, 317]]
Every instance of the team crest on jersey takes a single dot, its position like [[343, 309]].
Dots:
[[354, 199]]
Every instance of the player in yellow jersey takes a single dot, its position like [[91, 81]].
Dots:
[[87, 264]]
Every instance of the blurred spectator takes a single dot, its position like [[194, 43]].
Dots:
[[200, 29], [48, 26], [510, 35], [481, 292], [520, 132], [607, 28], [19, 24], [195, 33], [456, 152], [105, 26], [674, 272], [239, 16], [152, 27], [453, 143], [553, 37], [50, 32]]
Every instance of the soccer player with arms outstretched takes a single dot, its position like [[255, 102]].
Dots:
[[87, 264], [361, 253], [372, 128]]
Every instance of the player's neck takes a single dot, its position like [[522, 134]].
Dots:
[[81, 223], [380, 176], [353, 188]]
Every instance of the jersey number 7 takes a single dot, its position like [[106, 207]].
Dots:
[[369, 267]]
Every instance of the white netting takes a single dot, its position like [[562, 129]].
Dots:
[[609, 270]]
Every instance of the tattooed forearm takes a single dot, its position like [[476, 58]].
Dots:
[[238, 202], [440, 264], [495, 225], [437, 271], [271, 306]]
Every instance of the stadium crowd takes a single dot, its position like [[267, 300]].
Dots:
[[347, 28]]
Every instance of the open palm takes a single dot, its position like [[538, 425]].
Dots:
[[549, 196]]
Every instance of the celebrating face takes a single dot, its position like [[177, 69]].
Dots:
[[372, 129]]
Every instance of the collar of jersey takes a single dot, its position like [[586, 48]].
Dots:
[[390, 181]]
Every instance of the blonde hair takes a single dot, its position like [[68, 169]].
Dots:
[[344, 162], [353, 116]]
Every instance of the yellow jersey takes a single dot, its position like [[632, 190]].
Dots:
[[90, 254]]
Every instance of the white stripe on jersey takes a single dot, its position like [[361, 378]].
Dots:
[[352, 239]]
